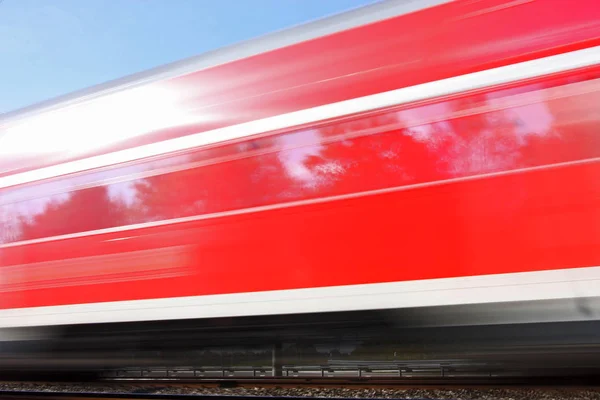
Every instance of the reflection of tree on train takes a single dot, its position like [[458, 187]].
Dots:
[[376, 160], [575, 136], [246, 181], [422, 145], [81, 211], [458, 138], [10, 227], [392, 157], [428, 143], [491, 139]]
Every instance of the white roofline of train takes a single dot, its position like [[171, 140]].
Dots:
[[346, 20]]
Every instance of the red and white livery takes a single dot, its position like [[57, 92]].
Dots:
[[403, 155]]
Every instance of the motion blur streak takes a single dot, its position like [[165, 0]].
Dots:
[[417, 168], [128, 266]]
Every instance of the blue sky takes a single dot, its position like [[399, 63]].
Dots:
[[53, 47]]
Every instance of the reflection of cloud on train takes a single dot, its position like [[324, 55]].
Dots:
[[294, 159], [444, 196]]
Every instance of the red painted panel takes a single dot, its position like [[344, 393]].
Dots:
[[526, 221], [540, 220], [456, 38]]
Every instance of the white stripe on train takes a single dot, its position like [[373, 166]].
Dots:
[[575, 287], [458, 84]]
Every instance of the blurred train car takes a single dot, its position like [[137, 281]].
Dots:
[[430, 165]]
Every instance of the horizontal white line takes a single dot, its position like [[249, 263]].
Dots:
[[290, 204], [575, 283], [477, 80]]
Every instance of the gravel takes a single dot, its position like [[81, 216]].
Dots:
[[322, 392]]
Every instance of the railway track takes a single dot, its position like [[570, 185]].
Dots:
[[299, 388], [373, 376], [301, 392], [414, 379]]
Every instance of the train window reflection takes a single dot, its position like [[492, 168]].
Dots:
[[484, 133]]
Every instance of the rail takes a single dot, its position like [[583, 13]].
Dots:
[[331, 369]]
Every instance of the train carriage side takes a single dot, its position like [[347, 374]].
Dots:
[[402, 167]]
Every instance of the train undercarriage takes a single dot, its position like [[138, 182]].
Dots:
[[503, 339]]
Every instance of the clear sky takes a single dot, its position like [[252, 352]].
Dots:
[[53, 47]]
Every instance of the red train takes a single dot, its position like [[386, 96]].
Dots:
[[437, 161]]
